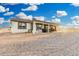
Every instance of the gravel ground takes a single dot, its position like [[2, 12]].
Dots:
[[49, 44]]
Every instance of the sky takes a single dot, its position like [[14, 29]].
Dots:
[[62, 13]]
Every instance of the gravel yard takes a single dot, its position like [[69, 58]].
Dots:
[[48, 44]]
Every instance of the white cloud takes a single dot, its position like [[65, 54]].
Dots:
[[9, 4], [75, 4], [74, 23], [7, 9], [53, 16], [30, 17], [3, 9], [8, 21], [75, 17], [31, 8], [8, 13], [56, 20], [48, 20], [22, 15], [75, 20], [35, 3], [42, 18], [61, 13], [13, 3], [3, 21]]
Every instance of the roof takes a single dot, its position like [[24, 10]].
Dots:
[[30, 21], [21, 20]]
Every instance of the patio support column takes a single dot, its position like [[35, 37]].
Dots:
[[55, 28], [34, 28], [42, 26], [48, 28]]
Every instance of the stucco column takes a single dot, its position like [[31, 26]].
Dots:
[[42, 26], [34, 28], [48, 28], [55, 28]]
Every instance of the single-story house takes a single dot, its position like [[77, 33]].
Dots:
[[34, 26]]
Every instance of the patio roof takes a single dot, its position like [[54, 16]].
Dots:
[[21, 20], [31, 21]]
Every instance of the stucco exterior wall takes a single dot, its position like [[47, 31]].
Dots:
[[14, 27]]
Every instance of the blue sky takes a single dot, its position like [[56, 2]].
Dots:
[[46, 10]]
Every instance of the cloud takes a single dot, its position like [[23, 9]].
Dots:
[[31, 8], [30, 17], [61, 13], [3, 21], [75, 4], [35, 3], [13, 3], [75, 20], [19, 3], [42, 18], [9, 4], [8, 13], [7, 9], [22, 15], [56, 20], [3, 9], [53, 16], [74, 23]]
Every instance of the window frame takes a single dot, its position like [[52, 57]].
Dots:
[[22, 27]]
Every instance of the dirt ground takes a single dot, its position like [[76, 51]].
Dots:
[[45, 44]]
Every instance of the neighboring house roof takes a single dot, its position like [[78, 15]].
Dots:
[[30, 21]]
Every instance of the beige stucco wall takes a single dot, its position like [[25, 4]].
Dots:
[[14, 27]]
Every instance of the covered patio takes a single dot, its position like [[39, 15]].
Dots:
[[42, 26]]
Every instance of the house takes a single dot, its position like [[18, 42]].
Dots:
[[34, 26]]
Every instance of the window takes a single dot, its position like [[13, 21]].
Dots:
[[21, 25], [39, 27]]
